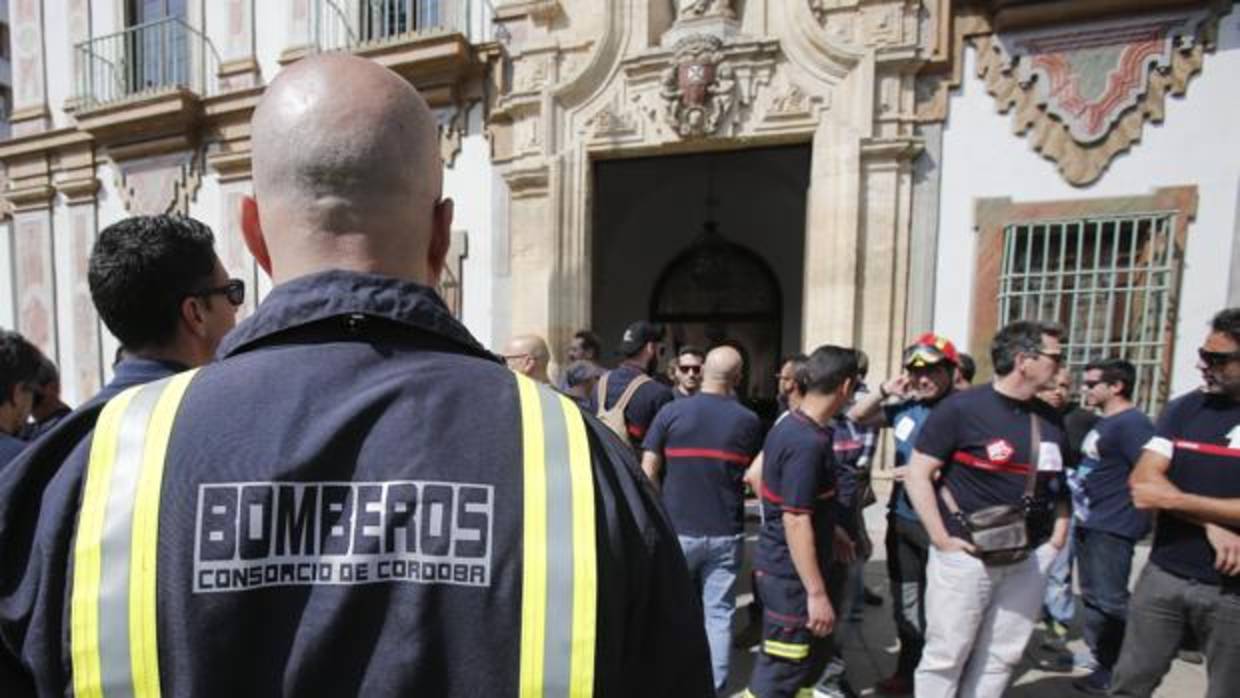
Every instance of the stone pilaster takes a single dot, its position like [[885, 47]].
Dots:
[[30, 114]]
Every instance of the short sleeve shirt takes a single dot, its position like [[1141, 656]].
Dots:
[[1201, 433], [798, 475], [984, 440], [646, 402], [706, 441], [1101, 500], [852, 446], [906, 420]]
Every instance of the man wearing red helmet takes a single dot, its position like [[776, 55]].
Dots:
[[903, 403]]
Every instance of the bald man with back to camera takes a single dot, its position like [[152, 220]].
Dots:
[[358, 499]]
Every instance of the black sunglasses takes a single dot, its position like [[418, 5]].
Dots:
[[689, 369], [1214, 359], [234, 291]]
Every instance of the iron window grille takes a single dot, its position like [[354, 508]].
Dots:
[[1111, 281]]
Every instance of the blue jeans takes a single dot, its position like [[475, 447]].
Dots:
[[714, 563], [1104, 561], [1058, 602]]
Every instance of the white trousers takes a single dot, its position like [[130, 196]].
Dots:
[[978, 621]]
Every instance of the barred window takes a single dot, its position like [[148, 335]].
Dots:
[[1111, 281]]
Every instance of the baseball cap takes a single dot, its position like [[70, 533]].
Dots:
[[637, 334], [928, 350]]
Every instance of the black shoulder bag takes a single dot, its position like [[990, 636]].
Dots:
[[1001, 532]]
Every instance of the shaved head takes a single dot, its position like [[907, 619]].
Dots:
[[528, 354], [722, 370], [347, 172]]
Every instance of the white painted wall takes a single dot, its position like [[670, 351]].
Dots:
[[1197, 144], [471, 184]]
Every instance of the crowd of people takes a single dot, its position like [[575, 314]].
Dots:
[[345, 494]]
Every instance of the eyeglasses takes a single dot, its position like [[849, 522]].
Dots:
[[1214, 359], [1056, 356], [689, 369], [234, 291], [514, 357]]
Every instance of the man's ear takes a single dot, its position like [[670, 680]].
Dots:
[[192, 316], [441, 239], [252, 231]]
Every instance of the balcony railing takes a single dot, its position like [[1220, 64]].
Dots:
[[346, 24], [167, 53]]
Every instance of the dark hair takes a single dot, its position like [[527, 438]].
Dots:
[[142, 268], [589, 341], [797, 360], [46, 373], [863, 364], [826, 369], [19, 363], [1020, 337], [1116, 371], [691, 351], [1227, 321], [967, 366]]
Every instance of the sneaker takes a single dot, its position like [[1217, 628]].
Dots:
[[872, 597], [834, 687], [1054, 635], [1071, 661], [895, 685], [1096, 684]]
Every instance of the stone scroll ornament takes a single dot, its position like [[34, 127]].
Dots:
[[697, 91], [1083, 96]]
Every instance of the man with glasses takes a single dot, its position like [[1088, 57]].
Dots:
[[528, 355], [987, 447], [19, 365], [1188, 474], [687, 375], [903, 403], [1106, 526], [628, 399]]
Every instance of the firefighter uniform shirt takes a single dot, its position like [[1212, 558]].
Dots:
[[357, 500], [984, 440], [798, 475], [706, 441], [1100, 497], [649, 398], [1200, 432]]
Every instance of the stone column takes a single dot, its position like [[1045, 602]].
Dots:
[[30, 114], [81, 362], [232, 26], [36, 291], [832, 238]]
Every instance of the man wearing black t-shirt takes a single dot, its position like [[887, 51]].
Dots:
[[794, 545], [1188, 473], [706, 440], [641, 346], [981, 442], [1106, 525]]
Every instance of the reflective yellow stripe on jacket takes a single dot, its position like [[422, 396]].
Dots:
[[112, 635], [559, 582]]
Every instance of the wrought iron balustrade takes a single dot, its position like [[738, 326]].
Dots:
[[167, 53], [346, 24]]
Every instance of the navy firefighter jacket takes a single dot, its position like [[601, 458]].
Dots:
[[358, 499]]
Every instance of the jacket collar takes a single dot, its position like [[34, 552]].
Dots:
[[324, 295]]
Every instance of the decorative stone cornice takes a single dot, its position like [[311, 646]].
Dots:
[[144, 116], [31, 198], [1151, 58], [528, 182]]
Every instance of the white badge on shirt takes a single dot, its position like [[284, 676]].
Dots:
[[904, 428], [1090, 445], [1233, 437], [1050, 460]]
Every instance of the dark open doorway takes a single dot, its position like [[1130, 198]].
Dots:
[[711, 245]]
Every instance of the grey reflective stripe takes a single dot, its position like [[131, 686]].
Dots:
[[559, 629], [116, 663]]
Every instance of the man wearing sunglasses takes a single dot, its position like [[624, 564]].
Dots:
[[1189, 473], [687, 373], [903, 403]]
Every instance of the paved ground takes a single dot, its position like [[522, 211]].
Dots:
[[870, 647]]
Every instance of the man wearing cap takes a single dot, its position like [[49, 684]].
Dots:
[[627, 393], [903, 403], [982, 478]]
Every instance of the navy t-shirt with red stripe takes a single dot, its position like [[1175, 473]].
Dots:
[[1204, 432], [646, 402], [798, 475], [984, 439], [707, 441]]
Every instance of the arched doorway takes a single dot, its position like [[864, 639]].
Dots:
[[719, 292]]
